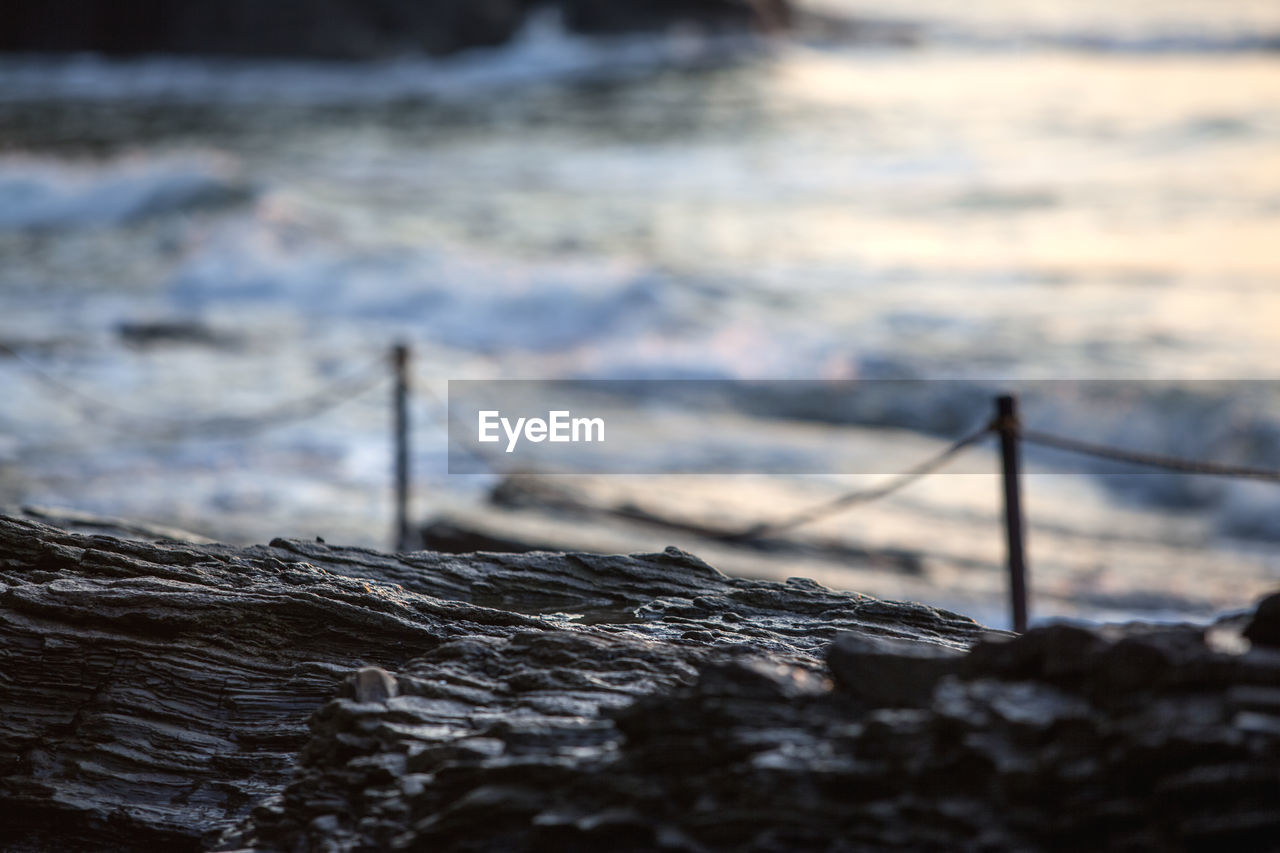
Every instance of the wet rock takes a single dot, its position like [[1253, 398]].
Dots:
[[340, 29], [595, 16], [453, 538], [172, 332], [85, 522], [889, 672], [1264, 629]]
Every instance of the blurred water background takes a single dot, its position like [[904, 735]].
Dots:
[[997, 189]]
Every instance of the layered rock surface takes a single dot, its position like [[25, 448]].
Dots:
[[152, 694], [1133, 739], [299, 696]]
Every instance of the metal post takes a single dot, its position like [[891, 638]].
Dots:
[[1007, 426], [400, 363]]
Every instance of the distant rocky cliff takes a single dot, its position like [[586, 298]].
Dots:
[[337, 29]]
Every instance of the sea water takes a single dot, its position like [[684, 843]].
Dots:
[[1058, 190]]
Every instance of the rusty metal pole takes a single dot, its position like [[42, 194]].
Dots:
[[400, 402], [1007, 426]]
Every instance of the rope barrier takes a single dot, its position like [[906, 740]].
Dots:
[[1044, 439], [357, 384], [864, 496], [1149, 460], [62, 387], [335, 395], [221, 426], [1005, 423]]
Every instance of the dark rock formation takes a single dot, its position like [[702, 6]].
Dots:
[[527, 492], [606, 16], [145, 335], [304, 697], [94, 524], [342, 29], [451, 537], [887, 672], [1264, 629], [1152, 741], [151, 694]]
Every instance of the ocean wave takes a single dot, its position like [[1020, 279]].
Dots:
[[474, 304], [1135, 26], [47, 194], [543, 51]]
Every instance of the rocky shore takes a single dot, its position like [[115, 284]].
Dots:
[[341, 29], [300, 696]]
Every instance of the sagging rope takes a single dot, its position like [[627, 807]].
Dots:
[[1148, 460], [1037, 437], [221, 426], [357, 384], [863, 496]]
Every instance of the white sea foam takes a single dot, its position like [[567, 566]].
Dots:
[[45, 194], [452, 299]]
